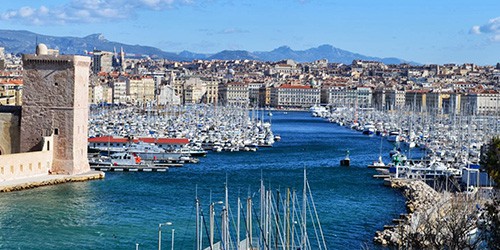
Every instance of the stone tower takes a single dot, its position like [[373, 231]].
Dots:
[[55, 102]]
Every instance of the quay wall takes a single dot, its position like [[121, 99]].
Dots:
[[26, 165], [50, 180]]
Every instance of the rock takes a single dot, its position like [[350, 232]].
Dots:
[[420, 197]]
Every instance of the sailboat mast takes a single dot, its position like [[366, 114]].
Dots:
[[198, 236], [212, 220], [294, 197], [268, 218], [201, 231], [304, 208], [225, 218], [238, 225], [287, 224], [277, 218], [249, 223], [262, 207]]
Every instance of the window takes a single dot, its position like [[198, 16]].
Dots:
[[56, 131]]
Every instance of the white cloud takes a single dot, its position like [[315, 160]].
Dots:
[[150, 2], [26, 12], [88, 11], [8, 15], [492, 28], [43, 10], [475, 30]]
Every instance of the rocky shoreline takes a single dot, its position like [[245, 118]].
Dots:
[[50, 180], [420, 197]]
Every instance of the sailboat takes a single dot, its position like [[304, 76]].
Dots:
[[281, 222], [379, 163]]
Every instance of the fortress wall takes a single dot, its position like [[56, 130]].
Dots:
[[25, 165]]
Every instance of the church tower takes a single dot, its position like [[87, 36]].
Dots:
[[55, 102], [122, 59]]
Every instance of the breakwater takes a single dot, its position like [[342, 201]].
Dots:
[[438, 220], [420, 197]]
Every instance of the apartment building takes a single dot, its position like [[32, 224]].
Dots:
[[485, 102], [11, 92], [253, 92], [416, 100], [234, 93], [340, 95], [295, 96], [140, 89], [102, 61]]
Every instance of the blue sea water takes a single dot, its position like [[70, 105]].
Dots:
[[126, 208]]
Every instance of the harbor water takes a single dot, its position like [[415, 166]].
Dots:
[[126, 208]]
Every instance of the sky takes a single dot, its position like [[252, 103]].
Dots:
[[424, 31]]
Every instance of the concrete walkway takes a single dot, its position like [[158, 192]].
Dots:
[[44, 180]]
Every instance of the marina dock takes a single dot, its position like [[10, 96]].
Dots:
[[381, 176], [132, 168]]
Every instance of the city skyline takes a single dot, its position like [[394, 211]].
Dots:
[[446, 32]]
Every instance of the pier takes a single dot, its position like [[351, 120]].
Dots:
[[132, 168], [381, 176]]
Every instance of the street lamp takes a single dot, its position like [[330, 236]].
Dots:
[[159, 234]]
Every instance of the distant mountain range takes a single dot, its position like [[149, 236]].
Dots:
[[21, 41]]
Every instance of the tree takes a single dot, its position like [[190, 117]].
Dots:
[[449, 224], [492, 224], [490, 159]]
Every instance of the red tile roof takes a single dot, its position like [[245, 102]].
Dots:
[[165, 140], [112, 139], [12, 81], [289, 86], [483, 91], [109, 139]]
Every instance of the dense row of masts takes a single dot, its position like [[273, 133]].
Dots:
[[281, 222]]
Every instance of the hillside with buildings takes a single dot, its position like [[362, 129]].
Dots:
[[120, 79]]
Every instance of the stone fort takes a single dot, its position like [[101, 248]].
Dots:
[[48, 134]]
